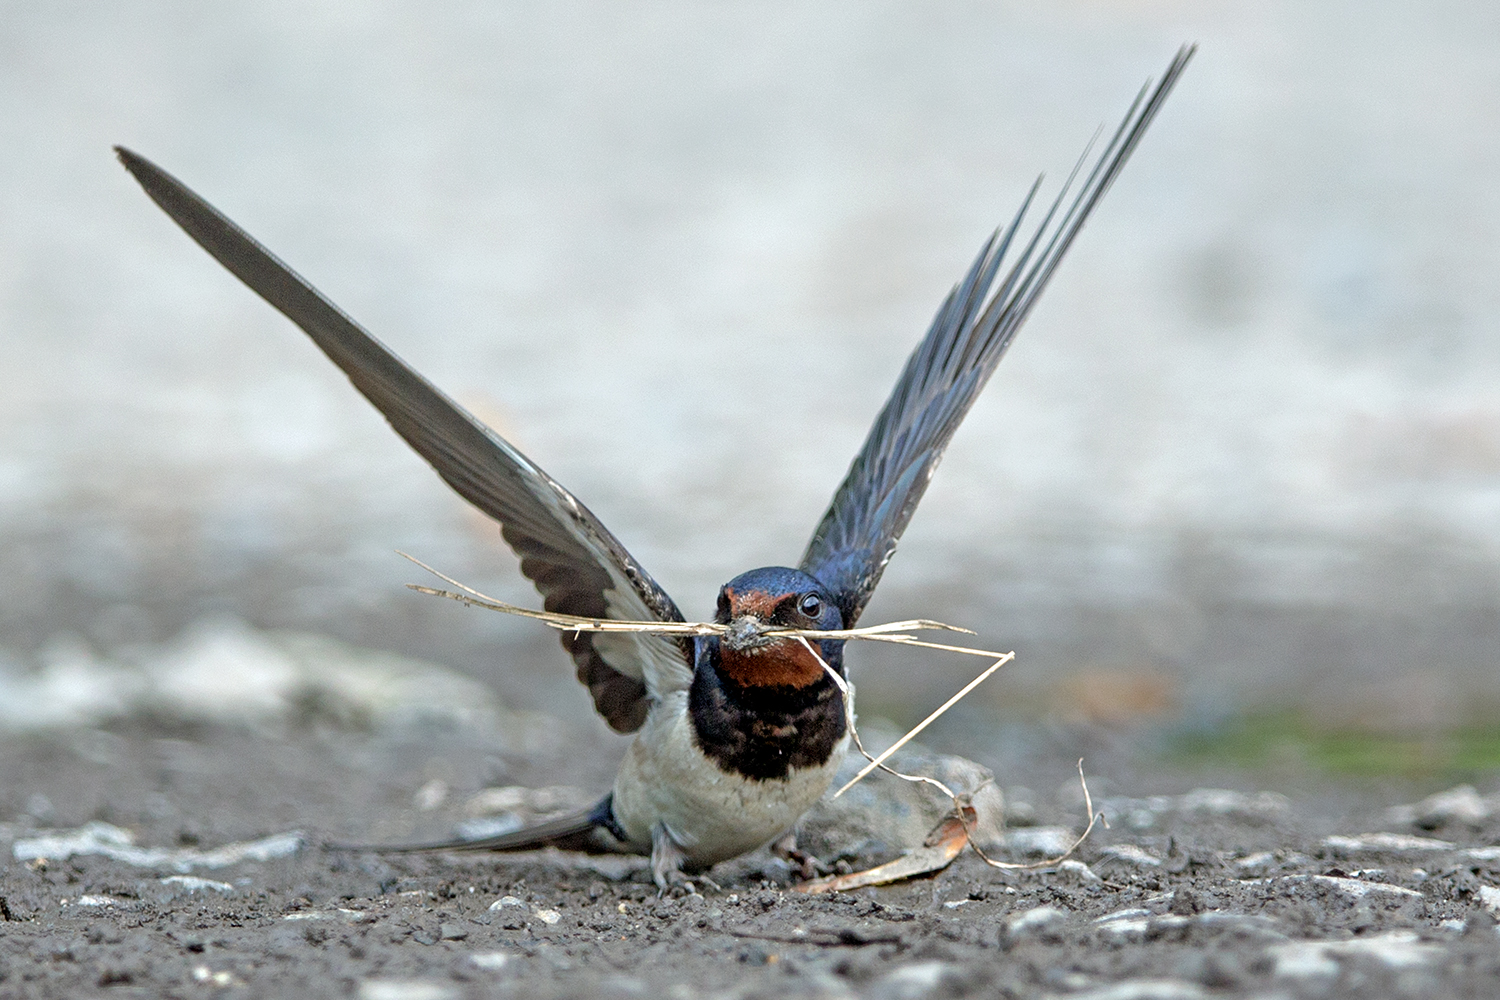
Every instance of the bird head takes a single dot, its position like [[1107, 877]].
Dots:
[[769, 598]]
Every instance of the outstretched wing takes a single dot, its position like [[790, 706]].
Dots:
[[579, 567], [946, 372]]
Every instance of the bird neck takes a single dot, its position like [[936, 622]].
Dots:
[[765, 731]]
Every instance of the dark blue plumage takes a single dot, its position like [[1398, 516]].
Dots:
[[944, 375]]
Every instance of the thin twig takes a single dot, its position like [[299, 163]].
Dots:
[[886, 632], [962, 693], [959, 802]]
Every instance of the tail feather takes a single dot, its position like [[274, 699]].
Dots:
[[589, 830]]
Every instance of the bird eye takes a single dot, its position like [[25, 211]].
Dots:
[[810, 605]]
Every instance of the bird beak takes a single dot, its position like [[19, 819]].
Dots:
[[745, 632]]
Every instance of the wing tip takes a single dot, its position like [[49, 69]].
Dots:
[[130, 159]]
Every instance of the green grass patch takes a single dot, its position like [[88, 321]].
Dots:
[[1286, 740]]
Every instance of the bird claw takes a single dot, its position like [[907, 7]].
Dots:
[[666, 860], [808, 866]]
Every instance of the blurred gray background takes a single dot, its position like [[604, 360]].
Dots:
[[1246, 451]]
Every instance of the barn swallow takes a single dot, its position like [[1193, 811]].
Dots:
[[736, 735]]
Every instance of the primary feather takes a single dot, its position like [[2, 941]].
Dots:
[[944, 375], [579, 567]]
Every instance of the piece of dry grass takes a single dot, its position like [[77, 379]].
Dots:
[[962, 810], [949, 845]]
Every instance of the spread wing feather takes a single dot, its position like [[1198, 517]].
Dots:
[[574, 561], [944, 375]]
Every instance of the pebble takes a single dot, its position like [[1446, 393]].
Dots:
[[1357, 888], [1461, 804], [192, 883], [1226, 802], [1132, 855], [1255, 864], [505, 901], [1035, 922], [1143, 989], [1319, 959], [221, 978], [406, 989], [119, 844], [912, 982], [1076, 871], [1048, 841], [95, 901], [1392, 843], [492, 960]]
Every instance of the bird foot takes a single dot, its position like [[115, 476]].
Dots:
[[808, 867], [666, 862]]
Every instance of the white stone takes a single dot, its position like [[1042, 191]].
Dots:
[[1462, 804], [492, 960], [113, 842], [911, 982], [1131, 854], [1226, 802], [1253, 864], [1143, 989], [1047, 841], [1032, 921], [505, 901], [1358, 888], [405, 989], [1399, 843], [192, 883], [1318, 959], [1076, 870]]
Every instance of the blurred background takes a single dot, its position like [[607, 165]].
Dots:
[[1242, 463]]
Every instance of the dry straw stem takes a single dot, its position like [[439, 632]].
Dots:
[[893, 632], [887, 632], [961, 808]]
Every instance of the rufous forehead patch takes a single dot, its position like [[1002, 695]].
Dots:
[[753, 602]]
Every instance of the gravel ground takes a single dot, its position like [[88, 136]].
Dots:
[[196, 869]]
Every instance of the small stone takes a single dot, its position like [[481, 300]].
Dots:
[[1318, 959], [1255, 864], [505, 901], [1394, 843], [192, 883], [912, 982], [1047, 841], [491, 960], [1132, 855], [1040, 921], [431, 795], [452, 932], [1076, 871], [1462, 804], [1225, 802], [405, 989]]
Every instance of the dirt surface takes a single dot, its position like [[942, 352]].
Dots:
[[1191, 894]]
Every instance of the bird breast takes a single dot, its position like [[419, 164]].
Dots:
[[778, 664]]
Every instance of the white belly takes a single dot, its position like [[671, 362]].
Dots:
[[713, 815]]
